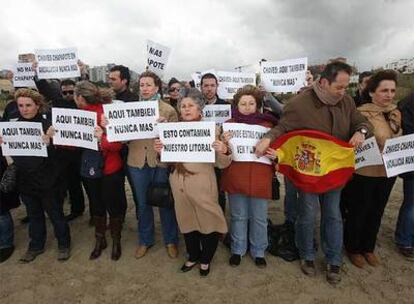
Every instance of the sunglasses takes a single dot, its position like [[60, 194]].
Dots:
[[174, 89], [70, 92]]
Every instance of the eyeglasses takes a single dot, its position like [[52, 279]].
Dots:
[[173, 89], [70, 92]]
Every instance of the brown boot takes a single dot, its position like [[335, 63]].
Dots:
[[372, 259], [100, 244], [357, 259], [116, 227]]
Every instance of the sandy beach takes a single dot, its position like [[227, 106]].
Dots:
[[156, 278]]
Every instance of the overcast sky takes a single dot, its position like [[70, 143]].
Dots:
[[211, 34]]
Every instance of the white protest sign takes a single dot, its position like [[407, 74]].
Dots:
[[243, 141], [157, 57], [368, 154], [284, 76], [217, 113], [22, 138], [131, 120], [230, 82], [57, 63], [23, 75], [398, 155], [188, 142], [196, 77], [74, 128]]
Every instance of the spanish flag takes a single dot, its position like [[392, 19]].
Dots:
[[314, 161]]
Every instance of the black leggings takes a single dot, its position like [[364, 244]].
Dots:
[[201, 247], [106, 194]]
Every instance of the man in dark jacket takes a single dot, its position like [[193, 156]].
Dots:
[[209, 85], [362, 84], [119, 78], [62, 97]]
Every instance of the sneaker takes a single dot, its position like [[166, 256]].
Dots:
[[30, 255], [407, 252], [260, 262], [63, 254], [372, 259], [235, 260], [357, 260], [333, 274], [308, 267]]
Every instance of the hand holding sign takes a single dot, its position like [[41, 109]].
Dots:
[[220, 147], [158, 145], [271, 154]]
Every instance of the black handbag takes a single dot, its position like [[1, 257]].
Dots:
[[159, 194], [9, 179], [92, 164]]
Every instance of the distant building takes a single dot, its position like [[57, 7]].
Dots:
[[101, 73], [98, 73], [405, 66]]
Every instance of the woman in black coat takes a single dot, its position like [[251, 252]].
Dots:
[[38, 180], [8, 201]]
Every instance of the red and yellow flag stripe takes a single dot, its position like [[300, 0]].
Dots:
[[314, 161]]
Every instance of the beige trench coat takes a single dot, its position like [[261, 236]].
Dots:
[[196, 197]]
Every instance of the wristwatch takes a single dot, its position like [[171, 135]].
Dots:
[[363, 131]]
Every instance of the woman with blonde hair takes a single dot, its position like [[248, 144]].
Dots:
[[38, 180], [144, 168]]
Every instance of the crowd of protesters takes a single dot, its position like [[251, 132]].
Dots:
[[350, 216]]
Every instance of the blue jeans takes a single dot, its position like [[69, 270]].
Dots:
[[141, 179], [404, 234], [6, 230], [36, 206], [252, 211], [291, 201], [331, 226]]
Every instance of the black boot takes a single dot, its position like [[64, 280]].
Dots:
[[116, 227], [100, 244]]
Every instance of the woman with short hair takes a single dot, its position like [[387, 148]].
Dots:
[[195, 192], [248, 184], [144, 167]]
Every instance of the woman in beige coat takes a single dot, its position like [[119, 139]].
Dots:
[[143, 169], [194, 188], [366, 195]]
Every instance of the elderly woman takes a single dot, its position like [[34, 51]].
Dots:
[[143, 169], [104, 189], [249, 185], [38, 179], [199, 215], [366, 195]]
